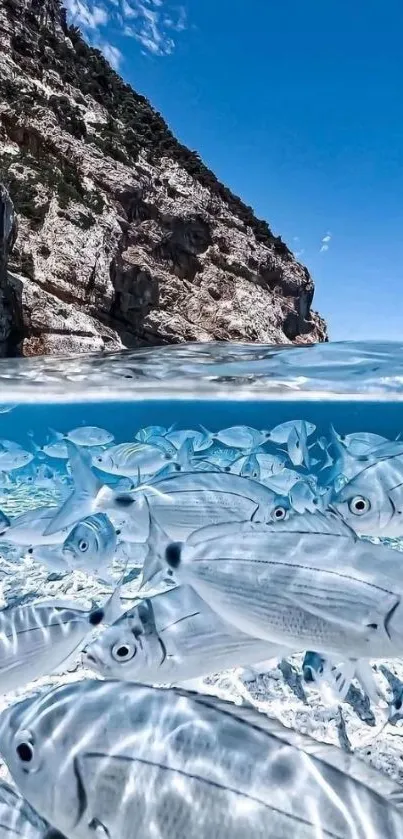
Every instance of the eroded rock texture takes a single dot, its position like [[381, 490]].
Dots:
[[124, 238]]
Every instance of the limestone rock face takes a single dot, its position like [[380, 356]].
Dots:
[[124, 237], [8, 233]]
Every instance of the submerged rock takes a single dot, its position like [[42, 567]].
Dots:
[[125, 237]]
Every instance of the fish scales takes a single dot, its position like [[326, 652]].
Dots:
[[186, 767], [184, 503], [286, 582]]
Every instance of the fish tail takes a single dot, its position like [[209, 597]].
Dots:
[[79, 503], [208, 434], [56, 435]]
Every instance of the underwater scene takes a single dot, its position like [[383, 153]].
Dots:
[[201, 632]]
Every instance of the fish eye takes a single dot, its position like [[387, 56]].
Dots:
[[359, 505], [279, 514], [123, 651], [83, 545], [25, 750]]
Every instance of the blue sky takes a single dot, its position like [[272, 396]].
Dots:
[[298, 107]]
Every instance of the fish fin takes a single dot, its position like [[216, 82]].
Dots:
[[79, 503], [261, 668], [34, 446], [56, 436], [185, 454], [113, 608], [391, 448], [208, 434], [333, 756], [54, 563], [158, 541], [4, 522], [337, 676], [60, 603], [365, 676]]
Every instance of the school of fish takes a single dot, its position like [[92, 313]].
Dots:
[[248, 546]]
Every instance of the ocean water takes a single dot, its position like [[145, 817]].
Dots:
[[300, 423]]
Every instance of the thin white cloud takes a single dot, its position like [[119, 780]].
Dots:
[[155, 24], [112, 54], [88, 16], [326, 239]]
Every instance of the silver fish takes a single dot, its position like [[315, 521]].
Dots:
[[186, 502], [239, 437], [362, 443], [30, 528], [18, 820], [306, 581], [283, 481], [128, 459], [200, 439], [14, 459], [144, 434], [58, 450], [221, 457], [247, 466], [112, 758], [91, 544], [280, 434], [297, 446], [89, 435], [38, 638], [372, 501], [171, 637], [5, 408], [182, 503], [304, 498]]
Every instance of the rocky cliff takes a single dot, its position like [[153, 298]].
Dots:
[[124, 237]]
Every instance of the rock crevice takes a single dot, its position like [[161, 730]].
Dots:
[[124, 237]]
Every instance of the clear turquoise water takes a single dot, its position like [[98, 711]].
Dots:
[[341, 389]]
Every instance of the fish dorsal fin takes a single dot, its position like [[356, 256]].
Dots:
[[328, 523], [332, 756], [323, 524], [391, 448]]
